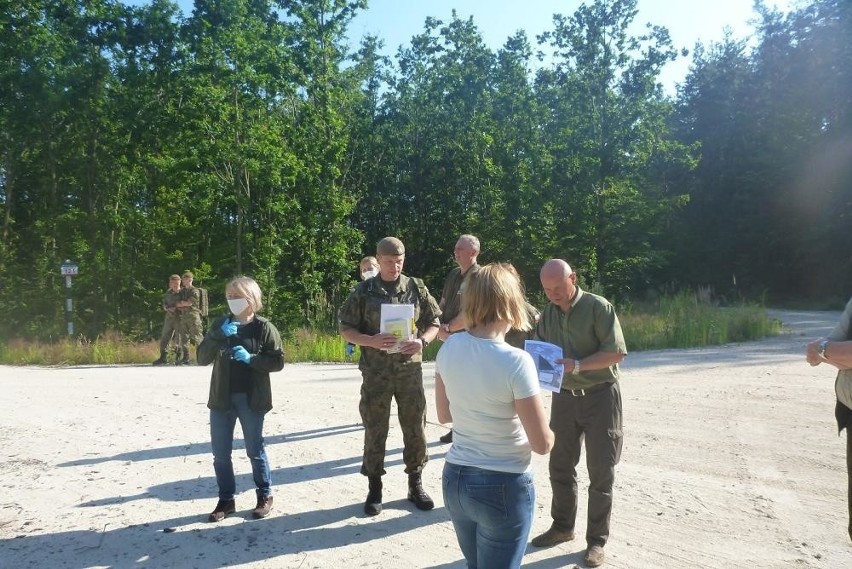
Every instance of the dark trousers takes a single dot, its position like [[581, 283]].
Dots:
[[595, 418], [378, 389], [849, 474]]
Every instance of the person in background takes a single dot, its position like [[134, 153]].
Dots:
[[190, 317], [452, 320], [588, 408], [170, 322], [244, 349], [516, 337], [367, 269], [836, 350], [490, 391], [391, 369]]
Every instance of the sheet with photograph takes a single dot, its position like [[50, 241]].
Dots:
[[397, 319], [544, 355]]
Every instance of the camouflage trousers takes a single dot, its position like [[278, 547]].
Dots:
[[170, 328], [189, 330], [377, 391]]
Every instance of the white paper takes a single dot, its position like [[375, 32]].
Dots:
[[397, 319], [544, 355]]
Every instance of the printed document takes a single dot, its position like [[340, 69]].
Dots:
[[397, 319], [544, 355]]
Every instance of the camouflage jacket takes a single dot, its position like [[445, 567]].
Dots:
[[362, 312], [170, 299], [193, 295]]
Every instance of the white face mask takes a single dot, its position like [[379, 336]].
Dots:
[[237, 305], [369, 274]]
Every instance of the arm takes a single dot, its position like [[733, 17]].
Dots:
[[214, 341], [377, 341], [837, 354], [598, 360], [442, 404], [531, 413], [270, 356]]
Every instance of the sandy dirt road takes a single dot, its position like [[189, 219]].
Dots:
[[731, 459]]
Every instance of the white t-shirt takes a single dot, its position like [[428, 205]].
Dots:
[[483, 378]]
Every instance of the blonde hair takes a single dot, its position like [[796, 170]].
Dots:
[[248, 288], [369, 259], [494, 293]]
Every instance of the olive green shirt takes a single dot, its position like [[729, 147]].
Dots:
[[452, 292], [589, 326], [363, 308]]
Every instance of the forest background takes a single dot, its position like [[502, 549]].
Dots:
[[247, 138]]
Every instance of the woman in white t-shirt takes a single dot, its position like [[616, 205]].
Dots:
[[490, 392]]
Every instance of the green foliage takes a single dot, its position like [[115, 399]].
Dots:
[[682, 321], [244, 138]]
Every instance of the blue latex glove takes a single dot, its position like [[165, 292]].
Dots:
[[241, 354], [229, 328]]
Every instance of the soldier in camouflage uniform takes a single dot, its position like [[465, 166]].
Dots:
[[170, 324], [388, 375], [190, 329]]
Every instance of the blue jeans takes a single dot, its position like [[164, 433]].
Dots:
[[491, 513], [222, 438]]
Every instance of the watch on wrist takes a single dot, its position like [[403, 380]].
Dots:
[[823, 344], [424, 341], [576, 369]]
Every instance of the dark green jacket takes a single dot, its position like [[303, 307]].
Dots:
[[215, 348]]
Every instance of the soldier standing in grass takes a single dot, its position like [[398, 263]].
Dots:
[[388, 376], [189, 307], [170, 322]]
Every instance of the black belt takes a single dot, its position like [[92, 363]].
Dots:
[[586, 391]]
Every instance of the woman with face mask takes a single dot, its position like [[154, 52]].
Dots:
[[244, 349]]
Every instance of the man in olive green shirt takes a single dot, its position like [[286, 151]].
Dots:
[[452, 321], [588, 407]]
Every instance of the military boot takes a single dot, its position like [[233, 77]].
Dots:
[[184, 359], [164, 359], [373, 505], [417, 494]]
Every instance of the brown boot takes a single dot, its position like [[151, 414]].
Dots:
[[553, 536], [417, 494], [264, 505], [223, 508], [594, 556], [373, 504]]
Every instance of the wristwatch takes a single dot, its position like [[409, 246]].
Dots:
[[424, 341], [823, 344], [576, 369]]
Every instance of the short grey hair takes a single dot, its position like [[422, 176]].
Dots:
[[248, 288]]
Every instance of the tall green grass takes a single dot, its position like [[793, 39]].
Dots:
[[679, 321], [682, 321]]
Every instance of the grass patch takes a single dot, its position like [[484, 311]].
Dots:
[[682, 321], [679, 321]]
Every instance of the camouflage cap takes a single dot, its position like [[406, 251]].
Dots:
[[390, 246], [174, 277], [187, 274]]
